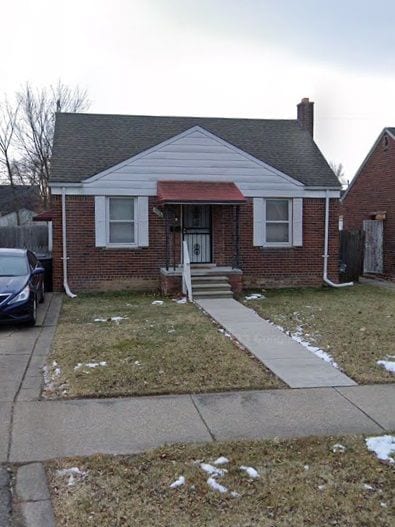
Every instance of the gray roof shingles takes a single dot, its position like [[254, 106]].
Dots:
[[86, 144]]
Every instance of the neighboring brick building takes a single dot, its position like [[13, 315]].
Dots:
[[246, 195], [371, 195]]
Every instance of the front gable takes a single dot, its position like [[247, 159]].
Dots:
[[194, 155]]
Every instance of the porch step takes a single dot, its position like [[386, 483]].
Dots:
[[202, 279], [208, 286], [213, 294], [203, 266]]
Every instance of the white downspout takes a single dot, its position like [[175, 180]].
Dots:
[[64, 239], [326, 245]]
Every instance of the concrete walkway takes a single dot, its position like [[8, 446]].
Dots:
[[384, 284], [22, 354], [289, 360], [48, 429]]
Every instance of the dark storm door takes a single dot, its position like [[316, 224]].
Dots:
[[197, 232]]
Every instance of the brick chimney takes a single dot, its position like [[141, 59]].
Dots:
[[306, 115]]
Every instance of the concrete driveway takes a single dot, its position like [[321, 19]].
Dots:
[[17, 344]]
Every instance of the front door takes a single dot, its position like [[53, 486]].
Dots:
[[197, 232]]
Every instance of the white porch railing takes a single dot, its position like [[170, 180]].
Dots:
[[186, 273]]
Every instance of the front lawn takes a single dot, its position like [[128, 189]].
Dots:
[[356, 325], [157, 348], [305, 482]]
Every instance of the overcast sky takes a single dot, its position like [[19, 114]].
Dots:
[[230, 58]]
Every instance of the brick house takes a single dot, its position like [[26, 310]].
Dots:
[[247, 196], [371, 196]]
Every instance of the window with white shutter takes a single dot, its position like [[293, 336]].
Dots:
[[278, 222], [121, 221]]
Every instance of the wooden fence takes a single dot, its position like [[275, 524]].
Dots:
[[34, 237], [351, 255]]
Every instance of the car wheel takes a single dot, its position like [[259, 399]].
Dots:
[[42, 292], [32, 321]]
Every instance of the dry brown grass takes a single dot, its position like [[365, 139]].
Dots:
[[170, 348], [355, 325], [302, 483]]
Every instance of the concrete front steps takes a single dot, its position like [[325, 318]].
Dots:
[[210, 286]]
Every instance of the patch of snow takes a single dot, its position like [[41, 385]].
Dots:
[[338, 448], [367, 486], [172, 330], [250, 471], [178, 482], [225, 333], [213, 471], [387, 363], [254, 296], [50, 374], [157, 303], [235, 494], [221, 461], [299, 337], [211, 482], [117, 319], [383, 504], [382, 446], [137, 363], [321, 487], [90, 364], [306, 467], [74, 474], [182, 300]]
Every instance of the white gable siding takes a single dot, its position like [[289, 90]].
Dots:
[[195, 155]]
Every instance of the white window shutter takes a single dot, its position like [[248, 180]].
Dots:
[[142, 222], [258, 218], [100, 221], [297, 226]]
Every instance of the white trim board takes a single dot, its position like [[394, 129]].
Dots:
[[97, 191]]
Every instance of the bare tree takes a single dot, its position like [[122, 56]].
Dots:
[[8, 127], [35, 129], [338, 169], [9, 172]]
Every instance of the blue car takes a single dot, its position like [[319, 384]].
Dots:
[[21, 286]]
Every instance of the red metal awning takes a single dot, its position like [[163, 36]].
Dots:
[[47, 215], [199, 192]]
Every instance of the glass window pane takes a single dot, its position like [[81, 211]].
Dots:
[[121, 209], [277, 233], [121, 232], [277, 210]]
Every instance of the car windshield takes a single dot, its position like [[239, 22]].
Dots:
[[12, 265]]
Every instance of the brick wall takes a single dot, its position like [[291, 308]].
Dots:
[[372, 191], [294, 265], [101, 268]]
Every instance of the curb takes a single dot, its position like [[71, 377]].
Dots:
[[33, 380], [33, 496]]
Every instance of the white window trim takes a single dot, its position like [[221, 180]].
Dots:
[[290, 224], [135, 224]]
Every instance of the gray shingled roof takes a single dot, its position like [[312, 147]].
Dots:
[[86, 144], [391, 130]]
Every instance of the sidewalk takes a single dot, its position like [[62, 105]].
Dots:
[[289, 360], [48, 429]]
